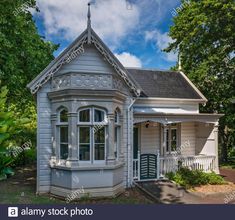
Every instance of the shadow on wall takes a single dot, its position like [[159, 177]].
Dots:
[[205, 139]]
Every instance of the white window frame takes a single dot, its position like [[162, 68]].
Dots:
[[92, 124], [169, 128], [60, 124], [90, 128], [117, 126]]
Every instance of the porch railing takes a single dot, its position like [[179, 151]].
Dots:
[[200, 162], [171, 164]]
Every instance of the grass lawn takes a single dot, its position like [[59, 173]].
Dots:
[[21, 188]]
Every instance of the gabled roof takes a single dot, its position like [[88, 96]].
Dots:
[[145, 83], [87, 37], [165, 84]]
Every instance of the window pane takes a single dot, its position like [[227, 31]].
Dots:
[[116, 117], [84, 152], [173, 135], [99, 116], [117, 140], [84, 115], [173, 145], [64, 150], [116, 134], [167, 140], [100, 135], [64, 134], [99, 151], [173, 139], [64, 116], [84, 135]]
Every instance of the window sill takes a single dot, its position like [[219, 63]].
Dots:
[[83, 166]]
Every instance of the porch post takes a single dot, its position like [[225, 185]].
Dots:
[[216, 147], [164, 138], [138, 165], [158, 164]]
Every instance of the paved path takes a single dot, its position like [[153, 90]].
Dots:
[[228, 174], [168, 193]]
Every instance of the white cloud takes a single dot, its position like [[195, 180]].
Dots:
[[68, 18], [161, 41], [129, 60]]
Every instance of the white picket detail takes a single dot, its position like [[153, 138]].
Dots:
[[200, 162]]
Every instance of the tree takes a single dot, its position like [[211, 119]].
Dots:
[[10, 130], [23, 52], [204, 33], [23, 55]]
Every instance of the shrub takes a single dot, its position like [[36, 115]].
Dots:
[[190, 178], [26, 157]]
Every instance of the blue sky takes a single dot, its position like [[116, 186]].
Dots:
[[135, 30]]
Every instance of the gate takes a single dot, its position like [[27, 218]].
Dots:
[[149, 168]]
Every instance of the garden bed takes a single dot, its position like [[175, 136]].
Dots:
[[214, 189]]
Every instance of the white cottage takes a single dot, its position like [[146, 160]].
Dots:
[[102, 126]]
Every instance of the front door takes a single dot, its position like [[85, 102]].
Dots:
[[135, 142]]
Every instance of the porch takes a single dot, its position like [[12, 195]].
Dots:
[[163, 143]]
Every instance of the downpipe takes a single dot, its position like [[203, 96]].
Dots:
[[129, 182]]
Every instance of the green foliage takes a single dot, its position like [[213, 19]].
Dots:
[[23, 52], [11, 128], [204, 33], [23, 55], [190, 178], [26, 157]]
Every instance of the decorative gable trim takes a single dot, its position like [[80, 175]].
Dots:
[[47, 74]]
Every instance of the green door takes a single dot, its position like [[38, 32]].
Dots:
[[148, 166], [135, 142]]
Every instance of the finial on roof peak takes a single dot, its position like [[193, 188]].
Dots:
[[179, 63], [89, 22], [89, 15]]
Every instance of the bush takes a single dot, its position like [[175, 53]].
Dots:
[[26, 157], [190, 178]]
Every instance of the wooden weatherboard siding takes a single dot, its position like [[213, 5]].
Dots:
[[89, 61], [44, 134], [188, 136], [150, 138]]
